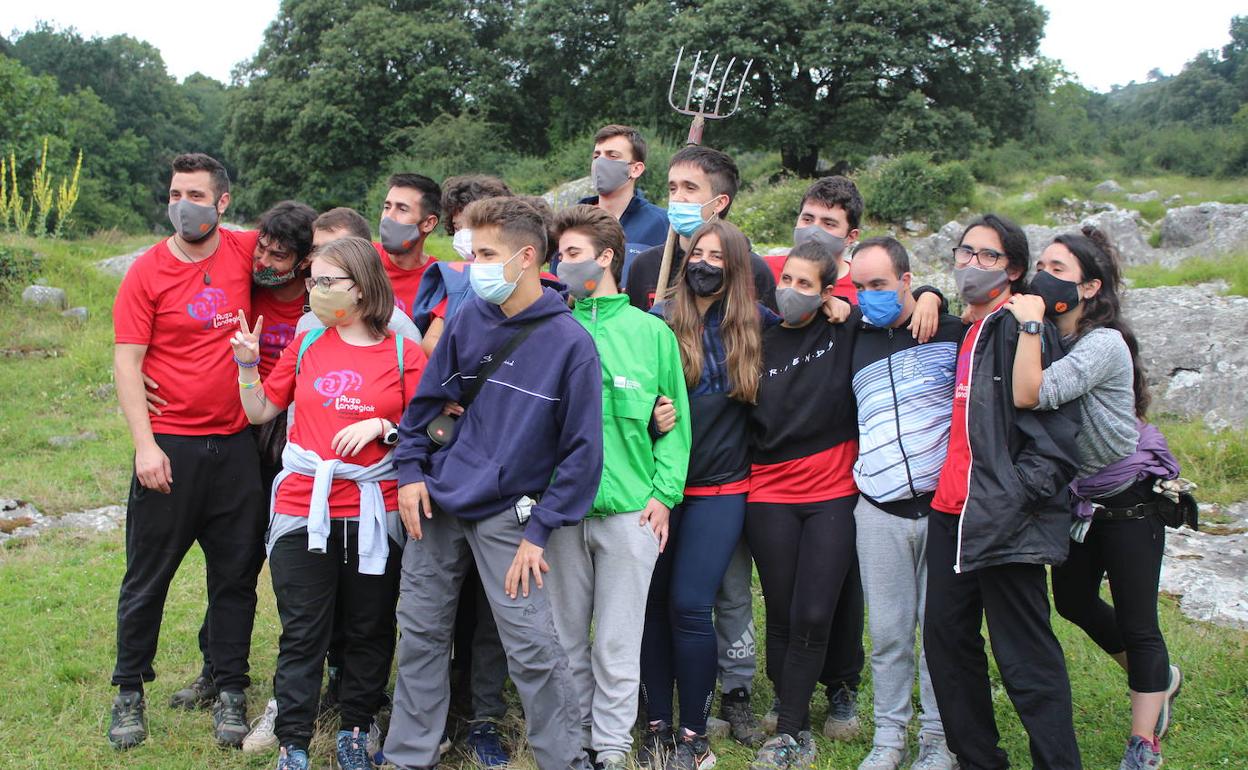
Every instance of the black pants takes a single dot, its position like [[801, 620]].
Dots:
[[804, 552], [214, 500], [309, 588], [1130, 551], [846, 657], [1014, 598]]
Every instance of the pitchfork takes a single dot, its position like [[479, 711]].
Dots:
[[702, 87]]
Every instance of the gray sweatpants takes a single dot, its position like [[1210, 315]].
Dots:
[[600, 572], [433, 571], [734, 622], [892, 556]]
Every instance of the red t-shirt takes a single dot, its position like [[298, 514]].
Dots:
[[340, 384], [163, 303], [843, 288], [822, 476], [404, 282], [280, 320], [955, 474], [731, 488]]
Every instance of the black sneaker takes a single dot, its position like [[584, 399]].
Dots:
[[693, 752], [128, 726], [657, 746], [735, 709], [229, 718], [197, 695]]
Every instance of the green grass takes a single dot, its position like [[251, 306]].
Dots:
[[1232, 268], [58, 658], [1008, 199], [1217, 462]]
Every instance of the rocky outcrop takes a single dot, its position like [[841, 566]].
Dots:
[[1209, 574], [569, 193], [1207, 230], [21, 519]]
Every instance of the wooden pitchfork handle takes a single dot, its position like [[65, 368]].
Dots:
[[669, 246]]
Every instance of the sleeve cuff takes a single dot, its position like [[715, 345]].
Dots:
[[670, 502], [536, 532], [409, 473]]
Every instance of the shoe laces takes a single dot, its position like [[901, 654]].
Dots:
[[352, 751], [265, 721], [129, 712]]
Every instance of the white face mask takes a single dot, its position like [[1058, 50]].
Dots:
[[462, 243]]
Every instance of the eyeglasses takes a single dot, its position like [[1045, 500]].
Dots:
[[987, 258], [325, 281]]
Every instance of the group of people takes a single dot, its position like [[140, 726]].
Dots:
[[538, 463]]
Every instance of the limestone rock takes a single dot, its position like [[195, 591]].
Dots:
[[570, 193], [63, 442], [45, 296], [1145, 197], [1207, 230], [118, 265], [1107, 187], [1210, 574], [80, 314]]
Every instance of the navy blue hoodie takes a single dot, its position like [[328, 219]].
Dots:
[[534, 428]]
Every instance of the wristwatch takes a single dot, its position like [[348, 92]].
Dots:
[[391, 436], [1031, 327]]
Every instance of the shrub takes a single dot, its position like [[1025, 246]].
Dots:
[[911, 186], [766, 214], [17, 267]]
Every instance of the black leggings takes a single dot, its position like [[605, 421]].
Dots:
[[803, 552], [1130, 551]]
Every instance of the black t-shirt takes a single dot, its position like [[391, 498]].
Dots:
[[643, 277]]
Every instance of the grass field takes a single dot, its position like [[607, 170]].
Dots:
[[58, 594]]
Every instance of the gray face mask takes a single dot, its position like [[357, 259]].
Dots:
[[977, 286], [396, 237], [795, 307], [581, 278], [833, 243], [608, 175], [191, 220]]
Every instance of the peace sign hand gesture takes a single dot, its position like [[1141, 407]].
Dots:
[[246, 342]]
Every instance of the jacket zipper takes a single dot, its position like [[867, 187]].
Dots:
[[892, 384], [970, 454]]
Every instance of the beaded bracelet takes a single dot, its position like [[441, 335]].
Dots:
[[248, 385], [246, 365]]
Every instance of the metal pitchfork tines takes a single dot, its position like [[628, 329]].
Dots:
[[703, 90]]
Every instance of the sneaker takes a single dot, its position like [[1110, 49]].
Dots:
[[934, 754], [197, 695], [484, 742], [883, 758], [446, 744], [262, 738], [842, 723], [807, 754], [229, 718], [1172, 692], [735, 709], [375, 743], [128, 726], [612, 762], [1141, 754], [292, 759], [352, 751], [657, 745], [778, 753], [693, 752], [772, 717]]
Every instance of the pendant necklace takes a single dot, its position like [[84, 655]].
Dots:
[[187, 257]]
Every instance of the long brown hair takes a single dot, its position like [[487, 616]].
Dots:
[[740, 328], [359, 259]]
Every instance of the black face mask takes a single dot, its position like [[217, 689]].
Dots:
[[704, 279], [1060, 297]]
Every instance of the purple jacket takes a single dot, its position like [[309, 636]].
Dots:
[[1152, 458]]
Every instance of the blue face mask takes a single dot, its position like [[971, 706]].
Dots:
[[685, 218], [489, 280], [880, 308]]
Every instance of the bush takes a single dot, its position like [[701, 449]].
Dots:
[[1000, 165], [766, 214], [912, 186], [17, 267]]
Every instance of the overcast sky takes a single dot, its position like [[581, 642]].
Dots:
[[1103, 42]]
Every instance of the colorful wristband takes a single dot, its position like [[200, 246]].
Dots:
[[248, 385], [246, 365]]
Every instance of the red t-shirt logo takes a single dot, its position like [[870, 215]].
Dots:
[[334, 384]]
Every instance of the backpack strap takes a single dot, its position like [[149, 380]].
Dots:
[[312, 336], [398, 349]]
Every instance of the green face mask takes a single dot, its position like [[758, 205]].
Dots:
[[269, 278]]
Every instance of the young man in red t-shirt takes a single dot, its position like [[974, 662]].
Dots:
[[196, 475], [410, 212], [831, 212]]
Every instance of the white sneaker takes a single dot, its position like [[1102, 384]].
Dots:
[[934, 754], [261, 737], [883, 758]]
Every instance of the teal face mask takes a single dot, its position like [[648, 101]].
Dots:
[[686, 218], [489, 280]]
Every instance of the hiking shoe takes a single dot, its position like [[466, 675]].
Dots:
[[292, 759], [693, 752], [352, 751], [772, 717], [1172, 692], [1141, 754], [197, 695], [735, 709], [229, 718], [842, 723], [128, 726], [374, 744], [934, 754], [883, 758], [807, 754], [778, 753], [484, 742], [262, 738], [657, 745]]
